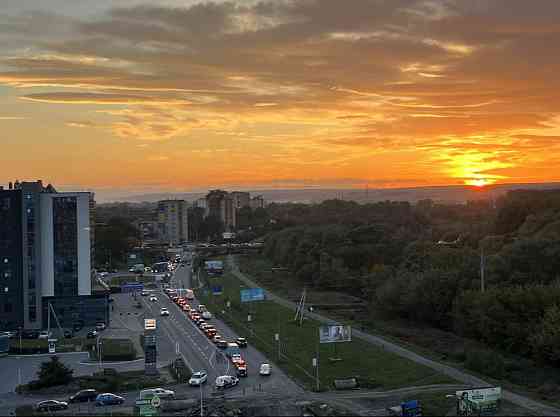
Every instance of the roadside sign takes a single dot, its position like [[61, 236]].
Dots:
[[155, 401], [149, 324], [217, 290], [252, 294]]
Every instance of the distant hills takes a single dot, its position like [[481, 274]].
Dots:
[[446, 194]]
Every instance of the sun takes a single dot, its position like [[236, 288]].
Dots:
[[478, 182]]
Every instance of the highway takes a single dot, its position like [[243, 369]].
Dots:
[[177, 331]]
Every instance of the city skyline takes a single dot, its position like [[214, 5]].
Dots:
[[187, 95]]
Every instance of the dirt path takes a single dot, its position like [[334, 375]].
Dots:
[[519, 400]]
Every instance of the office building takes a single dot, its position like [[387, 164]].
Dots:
[[173, 221], [46, 249]]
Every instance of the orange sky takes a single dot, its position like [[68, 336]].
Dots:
[[182, 95]]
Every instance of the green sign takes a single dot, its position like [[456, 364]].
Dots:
[[148, 410]]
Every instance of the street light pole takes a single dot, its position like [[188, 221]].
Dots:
[[201, 404], [481, 268]]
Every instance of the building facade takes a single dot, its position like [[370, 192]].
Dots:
[[173, 221], [45, 250]]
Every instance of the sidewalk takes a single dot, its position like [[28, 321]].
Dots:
[[534, 406]]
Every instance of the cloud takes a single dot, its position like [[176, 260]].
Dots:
[[12, 118], [306, 78]]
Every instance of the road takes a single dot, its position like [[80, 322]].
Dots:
[[461, 376], [177, 331]]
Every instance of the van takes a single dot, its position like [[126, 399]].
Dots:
[[226, 381]]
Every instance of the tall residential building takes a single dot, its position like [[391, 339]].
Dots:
[[173, 221], [240, 199], [220, 206], [257, 202], [45, 256]]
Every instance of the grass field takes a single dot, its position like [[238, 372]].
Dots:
[[299, 345]]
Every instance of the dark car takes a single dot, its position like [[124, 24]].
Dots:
[[222, 344], [109, 399], [30, 334], [68, 334], [241, 342], [92, 334], [84, 396], [51, 405], [79, 325]]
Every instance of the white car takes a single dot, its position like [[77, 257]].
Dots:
[[164, 312], [206, 315], [198, 378], [160, 392], [201, 308], [226, 381], [153, 298], [44, 335], [265, 369]]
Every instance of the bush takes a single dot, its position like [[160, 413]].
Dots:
[[549, 391], [53, 373], [486, 362]]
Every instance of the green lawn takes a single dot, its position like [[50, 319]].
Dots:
[[299, 344]]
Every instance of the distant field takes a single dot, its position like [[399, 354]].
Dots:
[[299, 345]]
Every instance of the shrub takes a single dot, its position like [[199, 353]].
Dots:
[[54, 373], [486, 362]]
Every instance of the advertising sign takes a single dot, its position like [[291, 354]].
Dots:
[[214, 267], [481, 394], [335, 333], [481, 401], [252, 294]]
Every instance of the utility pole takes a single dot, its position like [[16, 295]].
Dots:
[[481, 267]]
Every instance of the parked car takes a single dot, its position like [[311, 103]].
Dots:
[[51, 405], [160, 392], [153, 299], [265, 369], [45, 334], [83, 396], [241, 342], [164, 312], [198, 378], [92, 334], [68, 334], [226, 381], [100, 326], [108, 399]]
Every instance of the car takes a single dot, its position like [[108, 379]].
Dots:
[[198, 378], [160, 392], [44, 334], [222, 344], [241, 368], [68, 334], [206, 315], [83, 396], [186, 308], [51, 405], [108, 399], [265, 369], [144, 293], [30, 334], [226, 381], [201, 308], [92, 334], [204, 326], [241, 342], [147, 269], [164, 312], [100, 326], [153, 299], [235, 359], [77, 326], [216, 338]]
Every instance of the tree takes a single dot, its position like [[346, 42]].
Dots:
[[546, 341], [54, 372]]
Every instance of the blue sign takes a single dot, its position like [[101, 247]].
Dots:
[[411, 408], [132, 287], [217, 290], [252, 294]]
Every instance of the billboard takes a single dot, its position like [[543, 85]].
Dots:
[[214, 267], [334, 333], [478, 401], [252, 294]]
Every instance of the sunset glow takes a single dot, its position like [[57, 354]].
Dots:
[[188, 94]]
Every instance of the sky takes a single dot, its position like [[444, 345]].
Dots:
[[185, 95]]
